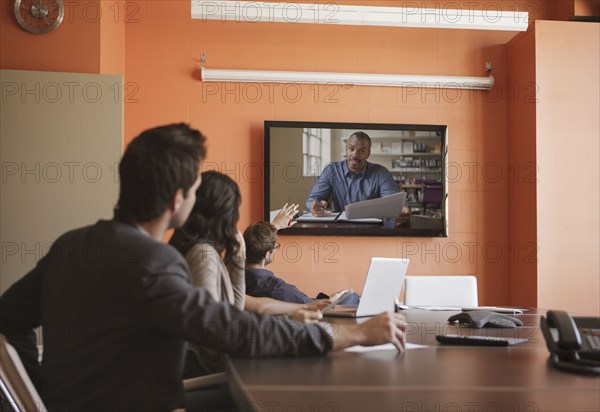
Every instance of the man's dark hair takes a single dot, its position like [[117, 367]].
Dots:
[[361, 136], [154, 166], [260, 238]]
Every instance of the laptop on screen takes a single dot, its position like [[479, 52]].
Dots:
[[382, 287]]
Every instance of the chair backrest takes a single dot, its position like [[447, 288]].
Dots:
[[194, 361], [15, 384], [459, 291], [432, 195]]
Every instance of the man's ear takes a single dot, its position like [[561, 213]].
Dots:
[[177, 200]]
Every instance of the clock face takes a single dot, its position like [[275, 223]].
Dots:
[[39, 16]]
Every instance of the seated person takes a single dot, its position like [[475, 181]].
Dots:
[[261, 242], [216, 255], [351, 180]]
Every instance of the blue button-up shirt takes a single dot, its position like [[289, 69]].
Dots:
[[344, 187]]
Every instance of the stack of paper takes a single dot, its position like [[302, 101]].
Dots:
[[308, 217], [343, 218], [389, 206], [334, 217]]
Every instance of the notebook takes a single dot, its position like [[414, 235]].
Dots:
[[382, 287]]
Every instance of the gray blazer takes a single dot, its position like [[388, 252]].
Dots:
[[116, 308]]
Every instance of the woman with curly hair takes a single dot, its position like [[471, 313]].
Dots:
[[215, 251]]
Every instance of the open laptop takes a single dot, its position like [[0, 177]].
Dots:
[[382, 287]]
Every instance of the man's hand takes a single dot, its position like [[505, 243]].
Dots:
[[285, 216], [379, 330], [317, 304], [403, 219], [318, 208], [241, 251], [305, 316], [385, 328], [339, 294]]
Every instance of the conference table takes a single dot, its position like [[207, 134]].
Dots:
[[434, 378]]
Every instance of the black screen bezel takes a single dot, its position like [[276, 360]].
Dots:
[[354, 229]]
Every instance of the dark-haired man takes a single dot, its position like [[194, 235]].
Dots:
[[351, 180], [116, 304], [261, 242]]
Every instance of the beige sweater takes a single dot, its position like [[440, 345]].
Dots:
[[209, 272]]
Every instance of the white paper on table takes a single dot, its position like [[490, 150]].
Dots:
[[387, 346], [514, 311], [467, 309], [329, 217], [438, 308], [343, 218]]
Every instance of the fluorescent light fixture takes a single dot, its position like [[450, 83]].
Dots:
[[492, 18], [357, 79]]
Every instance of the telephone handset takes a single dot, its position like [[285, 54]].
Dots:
[[574, 343]]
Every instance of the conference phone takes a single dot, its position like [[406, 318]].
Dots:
[[573, 342]]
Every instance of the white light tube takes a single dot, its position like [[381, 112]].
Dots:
[[492, 18], [357, 79]]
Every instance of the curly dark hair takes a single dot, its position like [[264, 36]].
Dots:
[[214, 217]]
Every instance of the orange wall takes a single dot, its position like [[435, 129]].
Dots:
[[86, 43], [162, 47], [565, 10], [587, 8], [162, 69], [91, 39], [522, 207], [568, 154], [553, 129], [115, 16], [72, 47]]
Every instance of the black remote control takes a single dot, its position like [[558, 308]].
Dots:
[[474, 340]]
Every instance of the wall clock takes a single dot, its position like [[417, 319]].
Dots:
[[39, 16]]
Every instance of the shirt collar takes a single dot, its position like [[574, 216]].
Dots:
[[262, 273], [347, 171]]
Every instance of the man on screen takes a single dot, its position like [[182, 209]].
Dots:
[[351, 180]]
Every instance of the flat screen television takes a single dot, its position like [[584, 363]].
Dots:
[[416, 155]]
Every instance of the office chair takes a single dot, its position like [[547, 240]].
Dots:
[[201, 382], [458, 291], [19, 394], [207, 392], [15, 386], [432, 196]]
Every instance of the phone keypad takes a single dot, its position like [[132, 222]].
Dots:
[[593, 337]]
